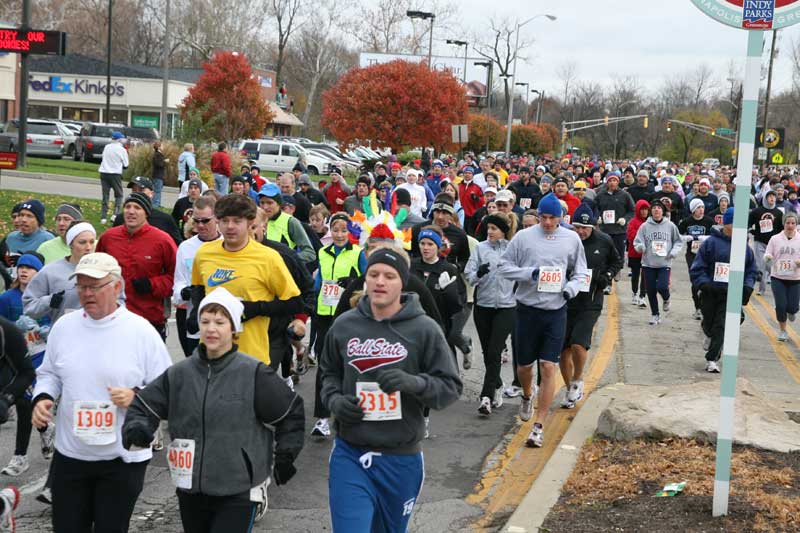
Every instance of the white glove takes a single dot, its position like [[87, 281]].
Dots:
[[445, 280], [687, 238], [621, 221]]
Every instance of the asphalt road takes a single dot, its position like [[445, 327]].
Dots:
[[477, 471]]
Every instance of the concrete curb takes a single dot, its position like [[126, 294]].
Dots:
[[544, 492], [64, 177]]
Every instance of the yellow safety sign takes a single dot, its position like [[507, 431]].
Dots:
[[777, 158]]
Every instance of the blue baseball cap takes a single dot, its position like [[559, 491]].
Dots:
[[271, 191], [117, 135]]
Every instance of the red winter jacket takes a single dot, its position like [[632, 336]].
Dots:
[[221, 163], [333, 191], [471, 197], [572, 203], [147, 253], [633, 227]]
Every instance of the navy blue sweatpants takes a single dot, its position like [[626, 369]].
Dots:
[[372, 492]]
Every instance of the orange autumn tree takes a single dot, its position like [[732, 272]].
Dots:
[[227, 100], [398, 104]]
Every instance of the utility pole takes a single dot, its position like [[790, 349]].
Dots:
[[165, 78], [108, 62], [766, 100], [22, 144]]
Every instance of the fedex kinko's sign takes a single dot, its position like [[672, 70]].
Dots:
[[64, 85], [752, 14]]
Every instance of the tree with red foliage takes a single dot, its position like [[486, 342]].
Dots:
[[479, 127], [228, 97], [398, 104]]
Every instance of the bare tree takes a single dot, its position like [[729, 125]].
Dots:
[[703, 84], [566, 73], [499, 48], [287, 15]]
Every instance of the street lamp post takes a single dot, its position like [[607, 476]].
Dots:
[[527, 92], [108, 62], [514, 75], [425, 15], [488, 65], [538, 117], [465, 44]]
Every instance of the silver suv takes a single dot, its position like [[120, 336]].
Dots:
[[45, 138]]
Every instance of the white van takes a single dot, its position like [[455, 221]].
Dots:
[[281, 156]]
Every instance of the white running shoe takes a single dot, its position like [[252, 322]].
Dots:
[[783, 336], [48, 437], [46, 496], [712, 367], [697, 315], [10, 498], [526, 408], [635, 299], [536, 437], [666, 305], [486, 406], [654, 320], [567, 404], [707, 343], [791, 316], [321, 428], [258, 495], [17, 465], [642, 302], [497, 400], [512, 392], [575, 392]]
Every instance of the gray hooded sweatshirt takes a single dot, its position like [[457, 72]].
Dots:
[[359, 347], [658, 242]]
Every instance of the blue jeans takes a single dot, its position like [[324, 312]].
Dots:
[[221, 183], [159, 185], [656, 281], [787, 297]]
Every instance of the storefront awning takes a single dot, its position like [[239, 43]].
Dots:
[[282, 117]]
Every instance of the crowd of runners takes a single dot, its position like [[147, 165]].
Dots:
[[373, 284]]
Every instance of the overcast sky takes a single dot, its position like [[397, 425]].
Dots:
[[605, 39]]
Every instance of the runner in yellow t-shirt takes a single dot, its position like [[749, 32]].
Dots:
[[248, 270]]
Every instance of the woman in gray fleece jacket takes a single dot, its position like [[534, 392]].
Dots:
[[659, 242]]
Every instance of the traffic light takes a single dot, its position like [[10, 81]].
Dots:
[[605, 120], [646, 122], [713, 131], [669, 125]]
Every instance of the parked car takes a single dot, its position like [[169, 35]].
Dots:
[[45, 138], [711, 162], [93, 138], [141, 135], [281, 156], [332, 151], [71, 132]]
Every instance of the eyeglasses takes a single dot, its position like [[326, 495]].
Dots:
[[202, 220], [501, 204], [578, 189], [92, 288]]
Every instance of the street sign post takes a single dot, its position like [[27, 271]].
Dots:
[[724, 131], [754, 16], [460, 136]]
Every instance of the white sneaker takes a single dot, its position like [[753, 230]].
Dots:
[[791, 316], [48, 437], [707, 343], [486, 406], [759, 292], [10, 499], [654, 320], [536, 437], [512, 392], [321, 428], [566, 403], [666, 305], [697, 315], [497, 400], [783, 336], [642, 302], [635, 299], [104, 221], [526, 409], [258, 495], [17, 465], [712, 367], [575, 392], [427, 427]]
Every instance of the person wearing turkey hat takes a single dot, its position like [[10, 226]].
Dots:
[[603, 262]]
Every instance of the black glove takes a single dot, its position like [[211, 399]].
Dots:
[[252, 310], [192, 325], [344, 282], [347, 410], [566, 296], [56, 300], [746, 293], [483, 270], [5, 404], [535, 275], [603, 279], [395, 379], [706, 288], [142, 285], [283, 470], [136, 434], [474, 197], [186, 293]]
